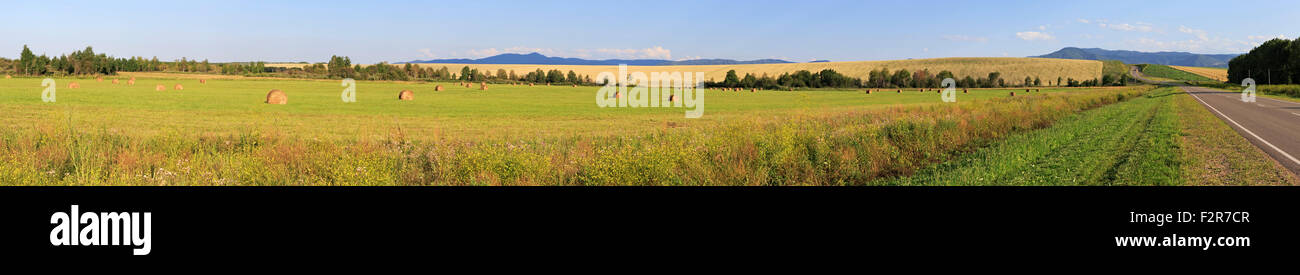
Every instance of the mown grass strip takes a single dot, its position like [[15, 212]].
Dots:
[[1132, 143]]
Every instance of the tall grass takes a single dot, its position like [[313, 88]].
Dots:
[[801, 148]]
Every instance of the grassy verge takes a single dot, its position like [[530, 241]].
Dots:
[[1132, 143], [1216, 154], [799, 148], [1162, 71], [1164, 138]]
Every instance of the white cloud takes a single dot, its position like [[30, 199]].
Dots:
[[1042, 28], [1262, 38], [657, 52], [1200, 34], [1031, 36], [965, 38], [1138, 27], [1085, 21], [427, 53]]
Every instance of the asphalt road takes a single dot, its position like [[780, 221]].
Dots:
[[1272, 125]]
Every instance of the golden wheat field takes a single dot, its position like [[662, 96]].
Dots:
[[1013, 69], [1220, 74]]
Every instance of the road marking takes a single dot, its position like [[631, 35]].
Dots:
[[1243, 128]]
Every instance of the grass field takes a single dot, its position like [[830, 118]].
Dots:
[[221, 133], [1163, 138], [1167, 72], [1115, 68], [1014, 70], [1217, 74]]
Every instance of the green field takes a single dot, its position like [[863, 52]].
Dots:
[[1162, 71], [220, 133], [1163, 138]]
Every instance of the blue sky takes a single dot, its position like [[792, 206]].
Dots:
[[373, 31]]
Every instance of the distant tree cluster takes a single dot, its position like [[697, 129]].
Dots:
[[87, 62], [1276, 61], [800, 79]]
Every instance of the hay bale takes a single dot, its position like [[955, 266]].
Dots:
[[530, 84], [178, 87], [868, 91], [1013, 93], [276, 97], [203, 81], [963, 91], [1036, 90], [114, 81], [482, 86], [575, 85], [130, 82], [1026, 91], [406, 95], [159, 87], [8, 76], [73, 85], [753, 90], [99, 79], [437, 89]]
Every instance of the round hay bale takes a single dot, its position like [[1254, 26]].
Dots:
[[203, 81], [131, 82], [1026, 91], [114, 81], [900, 91], [868, 91], [8, 76], [276, 97], [406, 95], [159, 87], [530, 84], [99, 79], [1036, 90], [963, 91], [575, 85], [178, 87], [753, 90], [482, 86], [437, 89], [73, 85], [1013, 93]]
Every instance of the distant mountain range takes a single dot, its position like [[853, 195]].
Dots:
[[1133, 57], [539, 59]]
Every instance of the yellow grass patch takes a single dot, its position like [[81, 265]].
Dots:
[[1219, 74], [1013, 69]]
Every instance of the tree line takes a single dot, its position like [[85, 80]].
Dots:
[[87, 62], [1275, 61], [884, 78]]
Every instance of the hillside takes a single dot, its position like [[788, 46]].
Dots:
[[1013, 69], [1134, 57], [539, 59], [1218, 74]]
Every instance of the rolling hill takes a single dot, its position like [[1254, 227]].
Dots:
[[1135, 57], [1013, 69], [539, 59]]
